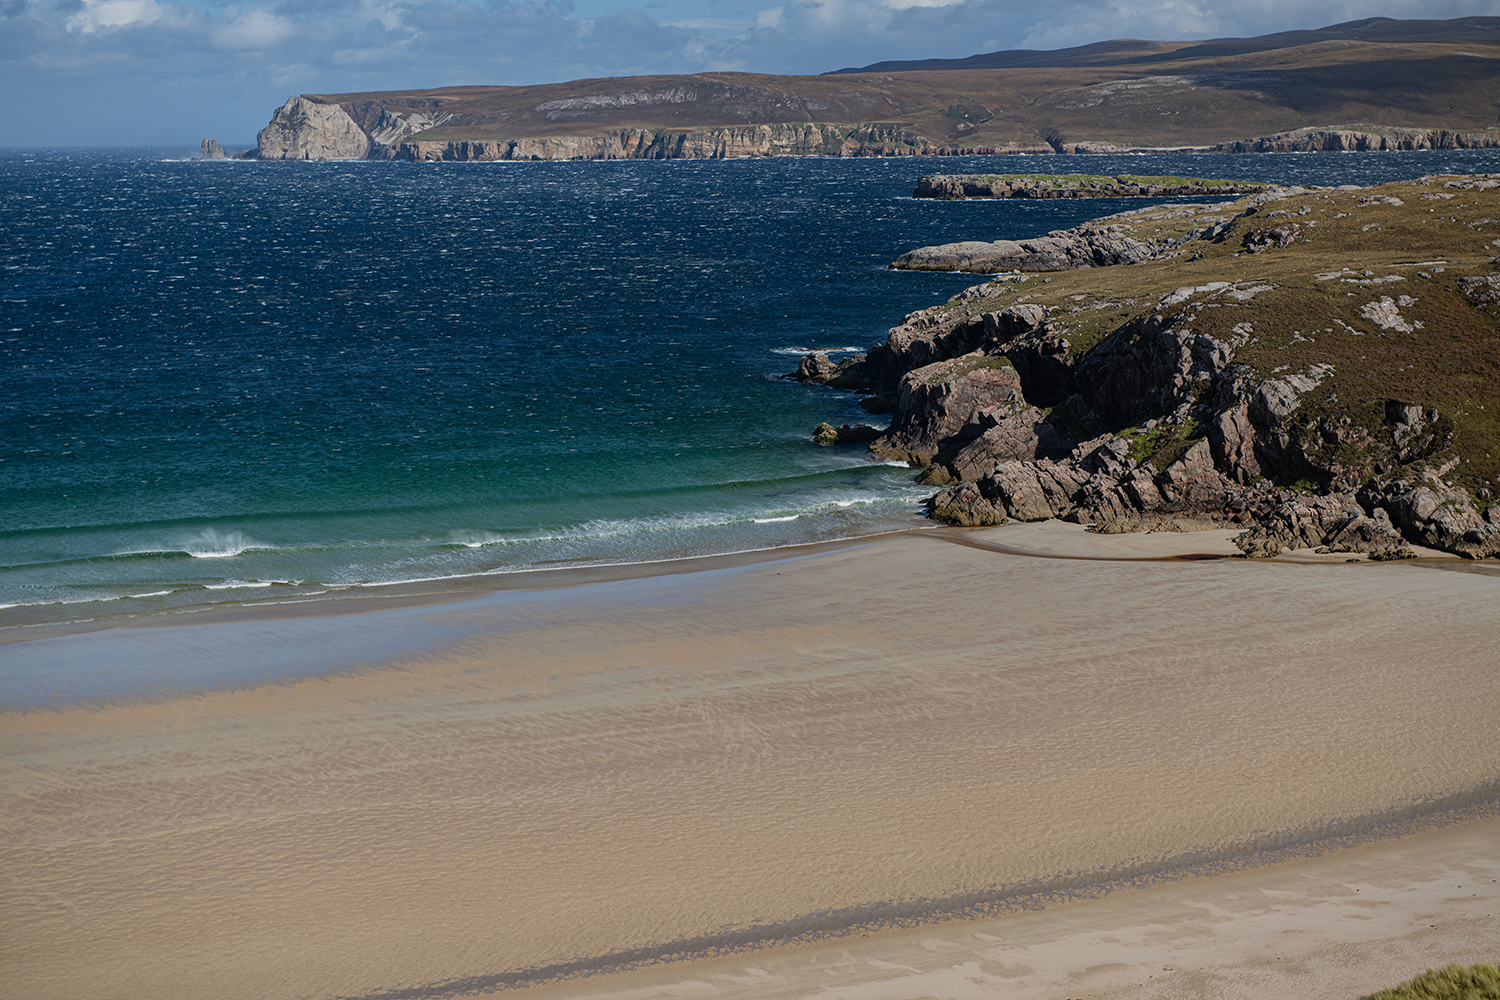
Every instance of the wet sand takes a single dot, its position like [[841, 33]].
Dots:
[[556, 782]]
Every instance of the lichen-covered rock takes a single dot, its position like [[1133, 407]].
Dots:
[[965, 505]]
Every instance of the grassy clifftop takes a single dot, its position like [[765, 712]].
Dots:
[[1386, 287], [1145, 94], [1318, 366]]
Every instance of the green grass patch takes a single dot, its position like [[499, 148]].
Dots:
[[1451, 982], [1163, 445]]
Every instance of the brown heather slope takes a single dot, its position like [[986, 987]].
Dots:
[[1132, 94]]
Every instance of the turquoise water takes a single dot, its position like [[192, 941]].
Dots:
[[231, 381]]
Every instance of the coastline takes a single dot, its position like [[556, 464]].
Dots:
[[571, 773]]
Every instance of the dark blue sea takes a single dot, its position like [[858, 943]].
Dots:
[[243, 382]]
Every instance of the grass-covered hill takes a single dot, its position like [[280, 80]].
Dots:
[[1418, 74], [1333, 347]]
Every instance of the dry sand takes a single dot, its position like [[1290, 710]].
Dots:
[[566, 778], [1342, 925]]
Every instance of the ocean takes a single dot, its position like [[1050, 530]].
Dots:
[[231, 382]]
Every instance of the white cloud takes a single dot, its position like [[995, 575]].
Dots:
[[252, 29], [110, 70], [773, 17], [98, 14], [707, 23]]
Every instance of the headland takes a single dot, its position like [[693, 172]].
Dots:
[[1376, 84], [1315, 366]]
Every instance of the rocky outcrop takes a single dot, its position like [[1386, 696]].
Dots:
[[1360, 139], [1059, 250], [941, 407], [1436, 515], [952, 187], [209, 149], [1213, 403], [306, 130], [827, 434]]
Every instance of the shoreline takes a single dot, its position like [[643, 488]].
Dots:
[[1047, 540], [422, 593], [362, 598], [553, 779]]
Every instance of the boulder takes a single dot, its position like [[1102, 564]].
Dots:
[[938, 406], [1336, 522], [816, 367], [827, 434]]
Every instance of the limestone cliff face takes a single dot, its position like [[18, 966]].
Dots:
[[305, 130], [638, 144], [317, 129], [1357, 139]]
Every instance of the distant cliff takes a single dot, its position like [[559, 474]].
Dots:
[[305, 129], [1432, 82], [1361, 139]]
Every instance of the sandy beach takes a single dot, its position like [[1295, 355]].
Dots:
[[534, 789]]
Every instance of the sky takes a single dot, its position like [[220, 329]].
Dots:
[[156, 72]]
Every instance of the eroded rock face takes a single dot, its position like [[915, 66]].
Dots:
[[1007, 436], [306, 130], [939, 407], [210, 149], [777, 139]]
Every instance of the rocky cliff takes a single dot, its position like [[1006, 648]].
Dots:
[[957, 187], [1320, 368], [307, 130], [1361, 139]]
